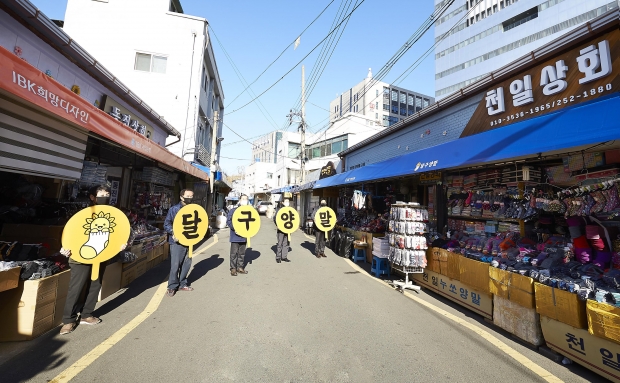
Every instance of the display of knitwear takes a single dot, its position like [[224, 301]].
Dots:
[[407, 240], [32, 266], [93, 174]]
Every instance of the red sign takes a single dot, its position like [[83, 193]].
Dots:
[[23, 80]]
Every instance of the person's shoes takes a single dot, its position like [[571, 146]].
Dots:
[[285, 260], [278, 261], [68, 328], [233, 272], [241, 271], [90, 320], [186, 288], [318, 255], [171, 292], [323, 255]]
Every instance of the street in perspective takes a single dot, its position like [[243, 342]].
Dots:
[[436, 202]]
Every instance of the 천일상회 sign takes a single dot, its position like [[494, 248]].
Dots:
[[583, 73]]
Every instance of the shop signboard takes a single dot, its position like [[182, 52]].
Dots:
[[597, 354], [190, 226], [430, 177], [583, 73], [246, 222], [114, 190], [287, 220], [456, 291], [328, 170], [126, 117]]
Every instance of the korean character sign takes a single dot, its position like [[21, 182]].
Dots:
[[287, 220], [246, 222], [96, 234], [325, 219], [190, 226]]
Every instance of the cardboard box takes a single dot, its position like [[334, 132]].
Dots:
[[140, 266], [512, 286], [560, 305], [127, 276], [454, 266], [603, 320], [475, 274], [594, 353], [443, 262], [467, 296], [136, 249], [33, 307], [111, 282], [157, 251], [9, 279], [148, 255], [520, 321]]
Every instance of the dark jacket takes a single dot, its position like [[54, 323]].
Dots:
[[172, 212], [274, 218], [234, 237]]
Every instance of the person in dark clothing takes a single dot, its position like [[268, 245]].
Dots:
[[180, 262], [319, 243], [282, 238], [238, 244], [81, 279]]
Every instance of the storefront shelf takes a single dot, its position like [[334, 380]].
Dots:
[[484, 219]]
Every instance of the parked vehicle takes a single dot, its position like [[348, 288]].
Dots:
[[263, 207]]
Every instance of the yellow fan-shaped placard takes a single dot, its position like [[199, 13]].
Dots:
[[287, 220], [246, 222], [190, 226], [325, 219], [95, 234]]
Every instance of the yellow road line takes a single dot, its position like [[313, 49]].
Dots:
[[85, 361], [546, 375]]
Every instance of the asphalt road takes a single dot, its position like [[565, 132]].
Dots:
[[311, 320]]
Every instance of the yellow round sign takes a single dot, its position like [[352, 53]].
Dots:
[[287, 220], [325, 219], [96, 234], [246, 222], [190, 226]]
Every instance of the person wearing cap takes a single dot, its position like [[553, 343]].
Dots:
[[282, 238], [238, 244], [81, 278], [319, 243]]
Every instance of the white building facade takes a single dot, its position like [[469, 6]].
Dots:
[[166, 57], [475, 37]]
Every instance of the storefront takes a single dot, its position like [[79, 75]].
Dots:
[[521, 171], [63, 130]]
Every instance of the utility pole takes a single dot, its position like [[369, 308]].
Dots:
[[303, 125]]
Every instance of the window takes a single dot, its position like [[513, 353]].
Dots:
[[316, 152], [501, 5], [269, 175], [150, 63], [377, 105], [410, 99], [394, 95], [478, 17], [495, 8], [489, 12], [386, 106], [483, 14], [337, 147], [377, 95], [294, 150], [376, 115], [403, 98], [344, 144], [395, 109], [425, 103]]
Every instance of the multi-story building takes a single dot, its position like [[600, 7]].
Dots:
[[378, 101], [166, 57], [475, 37]]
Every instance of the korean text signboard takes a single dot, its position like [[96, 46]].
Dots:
[[246, 222], [96, 234], [325, 219], [586, 72], [287, 220], [190, 226]]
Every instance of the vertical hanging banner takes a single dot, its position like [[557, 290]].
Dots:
[[190, 226], [246, 222], [325, 220], [96, 234], [287, 220]]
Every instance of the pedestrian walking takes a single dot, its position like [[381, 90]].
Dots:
[[80, 279], [282, 238], [238, 244], [180, 262], [319, 243]]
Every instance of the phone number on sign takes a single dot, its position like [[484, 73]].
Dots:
[[551, 105]]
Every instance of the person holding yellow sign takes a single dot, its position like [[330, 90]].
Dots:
[[286, 220], [244, 223], [180, 262], [324, 221]]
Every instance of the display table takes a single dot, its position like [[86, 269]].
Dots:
[[361, 236]]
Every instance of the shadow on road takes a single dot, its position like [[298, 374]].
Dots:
[[308, 246], [203, 267], [251, 255], [21, 369]]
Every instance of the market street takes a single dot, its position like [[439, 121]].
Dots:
[[309, 320]]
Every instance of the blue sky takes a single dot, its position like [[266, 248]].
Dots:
[[254, 33]]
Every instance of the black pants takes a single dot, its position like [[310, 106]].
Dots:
[[319, 243], [80, 282], [237, 255], [282, 251]]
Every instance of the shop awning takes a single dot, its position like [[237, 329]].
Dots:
[[284, 189], [584, 124], [203, 168], [28, 83]]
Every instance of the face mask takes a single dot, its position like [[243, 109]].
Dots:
[[323, 204], [243, 202], [285, 204], [188, 200], [102, 200]]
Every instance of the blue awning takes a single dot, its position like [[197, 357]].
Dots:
[[205, 169], [584, 124]]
